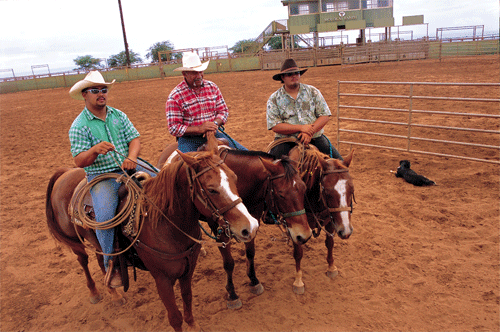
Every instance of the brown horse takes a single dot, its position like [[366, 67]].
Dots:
[[329, 199], [169, 242], [264, 183]]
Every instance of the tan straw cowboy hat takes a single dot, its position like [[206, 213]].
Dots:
[[94, 78], [289, 66], [191, 62]]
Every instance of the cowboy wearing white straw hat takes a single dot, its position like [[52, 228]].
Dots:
[[94, 78], [100, 136], [298, 110], [196, 106]]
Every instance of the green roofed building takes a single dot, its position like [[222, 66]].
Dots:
[[317, 16]]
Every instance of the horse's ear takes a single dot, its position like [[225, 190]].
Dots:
[[271, 166], [348, 159], [190, 160], [212, 143]]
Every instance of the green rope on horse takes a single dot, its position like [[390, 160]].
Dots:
[[206, 233], [221, 129], [330, 147]]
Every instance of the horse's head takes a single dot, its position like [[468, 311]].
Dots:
[[287, 192], [215, 195], [337, 193]]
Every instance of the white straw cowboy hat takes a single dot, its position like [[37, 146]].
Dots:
[[94, 78], [191, 62]]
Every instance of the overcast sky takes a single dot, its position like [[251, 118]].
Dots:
[[54, 32]]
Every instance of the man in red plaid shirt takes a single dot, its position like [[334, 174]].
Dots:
[[195, 107]]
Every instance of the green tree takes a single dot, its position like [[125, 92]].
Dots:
[[87, 62], [275, 43], [163, 46], [120, 59], [243, 46]]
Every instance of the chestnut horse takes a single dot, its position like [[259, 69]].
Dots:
[[329, 199], [265, 183], [169, 242]]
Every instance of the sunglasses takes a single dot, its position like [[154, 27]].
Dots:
[[291, 74], [95, 91]]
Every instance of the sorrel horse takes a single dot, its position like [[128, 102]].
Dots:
[[329, 199], [169, 242], [264, 183]]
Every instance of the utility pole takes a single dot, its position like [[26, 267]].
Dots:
[[127, 54]]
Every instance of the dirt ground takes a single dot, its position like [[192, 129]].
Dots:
[[420, 259]]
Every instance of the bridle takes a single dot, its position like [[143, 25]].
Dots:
[[328, 209], [198, 192], [273, 207]]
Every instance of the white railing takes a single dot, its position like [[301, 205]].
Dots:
[[400, 125]]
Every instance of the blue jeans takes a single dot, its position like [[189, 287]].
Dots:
[[192, 143], [322, 143], [105, 199]]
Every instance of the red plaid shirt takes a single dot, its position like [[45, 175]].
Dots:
[[185, 108]]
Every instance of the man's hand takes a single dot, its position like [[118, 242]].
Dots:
[[305, 138], [208, 126], [129, 163], [103, 148]]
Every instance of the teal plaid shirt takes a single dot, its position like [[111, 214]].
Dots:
[[88, 130], [307, 108]]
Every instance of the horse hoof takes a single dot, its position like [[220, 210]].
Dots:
[[299, 290], [257, 289], [96, 299], [120, 302], [234, 304], [332, 274]]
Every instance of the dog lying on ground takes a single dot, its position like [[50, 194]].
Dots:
[[411, 176]]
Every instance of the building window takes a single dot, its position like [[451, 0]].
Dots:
[[303, 9], [335, 6], [371, 4]]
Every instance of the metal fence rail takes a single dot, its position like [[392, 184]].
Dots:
[[399, 121]]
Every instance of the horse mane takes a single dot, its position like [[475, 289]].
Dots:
[[310, 163], [289, 167], [161, 190]]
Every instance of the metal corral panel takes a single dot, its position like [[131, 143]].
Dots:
[[328, 56], [273, 60], [303, 58]]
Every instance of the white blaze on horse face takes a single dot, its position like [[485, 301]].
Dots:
[[341, 188], [241, 207]]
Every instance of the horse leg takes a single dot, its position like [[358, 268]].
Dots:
[[83, 259], [332, 271], [187, 299], [165, 288], [233, 301], [298, 284], [100, 261], [255, 285]]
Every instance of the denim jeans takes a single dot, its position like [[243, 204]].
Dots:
[[105, 199], [322, 143], [192, 143]]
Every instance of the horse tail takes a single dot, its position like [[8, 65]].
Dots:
[[52, 224]]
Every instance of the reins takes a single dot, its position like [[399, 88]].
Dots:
[[137, 192]]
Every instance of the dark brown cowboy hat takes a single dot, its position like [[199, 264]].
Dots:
[[289, 66]]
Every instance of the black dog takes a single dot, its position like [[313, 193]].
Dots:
[[410, 176]]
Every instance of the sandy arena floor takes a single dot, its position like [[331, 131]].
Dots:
[[420, 259]]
